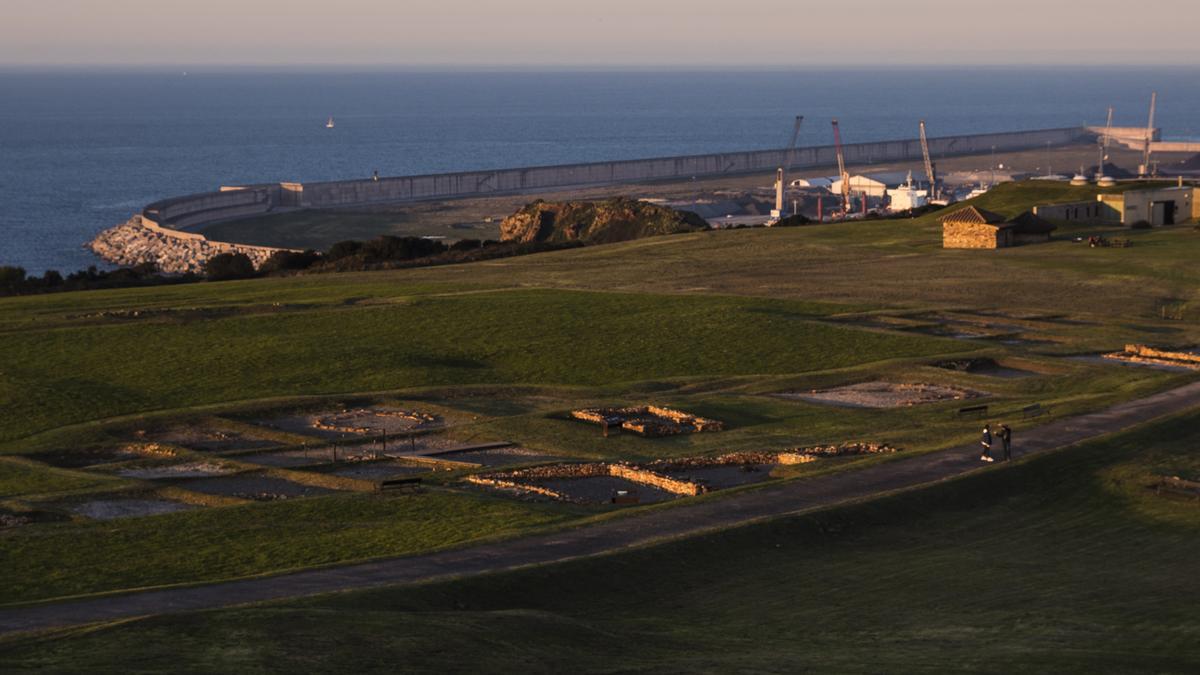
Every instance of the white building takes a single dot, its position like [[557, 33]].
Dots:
[[873, 184]]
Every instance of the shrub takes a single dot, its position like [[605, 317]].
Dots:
[[344, 249], [1141, 225], [466, 245], [229, 266], [289, 261], [387, 248], [794, 220], [12, 278]]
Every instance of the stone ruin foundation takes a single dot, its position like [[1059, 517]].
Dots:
[[1176, 358], [372, 421], [649, 421], [655, 474]]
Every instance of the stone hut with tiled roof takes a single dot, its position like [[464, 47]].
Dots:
[[973, 227]]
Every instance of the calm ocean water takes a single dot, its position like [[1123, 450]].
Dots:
[[82, 151]]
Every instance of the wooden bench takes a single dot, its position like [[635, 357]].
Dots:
[[397, 484], [978, 410], [1035, 410]]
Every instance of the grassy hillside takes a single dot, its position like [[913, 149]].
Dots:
[[1062, 564], [714, 323], [69, 374]]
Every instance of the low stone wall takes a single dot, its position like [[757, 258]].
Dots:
[[1157, 357], [645, 477], [651, 421], [139, 241], [526, 479]]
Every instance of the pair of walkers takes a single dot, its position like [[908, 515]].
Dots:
[[1005, 435]]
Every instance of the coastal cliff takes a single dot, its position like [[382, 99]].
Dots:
[[135, 242], [598, 222]]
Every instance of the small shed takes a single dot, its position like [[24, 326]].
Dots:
[[973, 227]]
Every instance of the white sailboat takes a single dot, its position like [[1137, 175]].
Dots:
[[329, 124]]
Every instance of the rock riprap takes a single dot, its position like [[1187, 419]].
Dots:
[[135, 242]]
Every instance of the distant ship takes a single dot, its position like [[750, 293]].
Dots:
[[329, 124]]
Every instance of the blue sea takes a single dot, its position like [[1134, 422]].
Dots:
[[81, 151]]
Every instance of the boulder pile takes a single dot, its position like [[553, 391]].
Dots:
[[135, 242]]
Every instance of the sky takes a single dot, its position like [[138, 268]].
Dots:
[[596, 33]]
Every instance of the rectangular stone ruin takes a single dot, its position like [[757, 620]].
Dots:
[[649, 421], [588, 483], [715, 472], [1182, 357], [659, 479]]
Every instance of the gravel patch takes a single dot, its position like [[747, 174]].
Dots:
[[884, 395], [112, 509]]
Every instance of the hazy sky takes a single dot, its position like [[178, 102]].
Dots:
[[552, 33]]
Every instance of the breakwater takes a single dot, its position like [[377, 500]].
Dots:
[[233, 202]]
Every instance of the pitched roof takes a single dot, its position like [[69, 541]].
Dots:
[[973, 215], [1030, 223]]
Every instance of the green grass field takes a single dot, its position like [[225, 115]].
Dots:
[[1066, 563], [1039, 564]]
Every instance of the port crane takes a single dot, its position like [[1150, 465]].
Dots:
[[934, 192], [845, 177], [1149, 135]]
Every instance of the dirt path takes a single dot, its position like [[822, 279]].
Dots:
[[609, 536]]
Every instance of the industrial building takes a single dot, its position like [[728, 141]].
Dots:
[[872, 184], [1156, 206]]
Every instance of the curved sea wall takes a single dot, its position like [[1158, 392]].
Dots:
[[157, 235], [139, 241]]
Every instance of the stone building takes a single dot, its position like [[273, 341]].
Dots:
[[973, 227]]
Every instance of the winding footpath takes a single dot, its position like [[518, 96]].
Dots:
[[606, 537]]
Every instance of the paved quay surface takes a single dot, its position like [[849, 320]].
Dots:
[[780, 500]]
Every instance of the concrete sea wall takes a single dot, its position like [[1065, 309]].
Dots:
[[242, 201], [160, 234]]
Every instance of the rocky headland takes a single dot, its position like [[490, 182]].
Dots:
[[596, 222]]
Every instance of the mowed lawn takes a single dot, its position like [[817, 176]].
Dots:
[[207, 545], [1066, 563], [64, 374]]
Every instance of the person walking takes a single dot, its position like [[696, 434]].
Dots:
[[986, 442], [1006, 441]]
